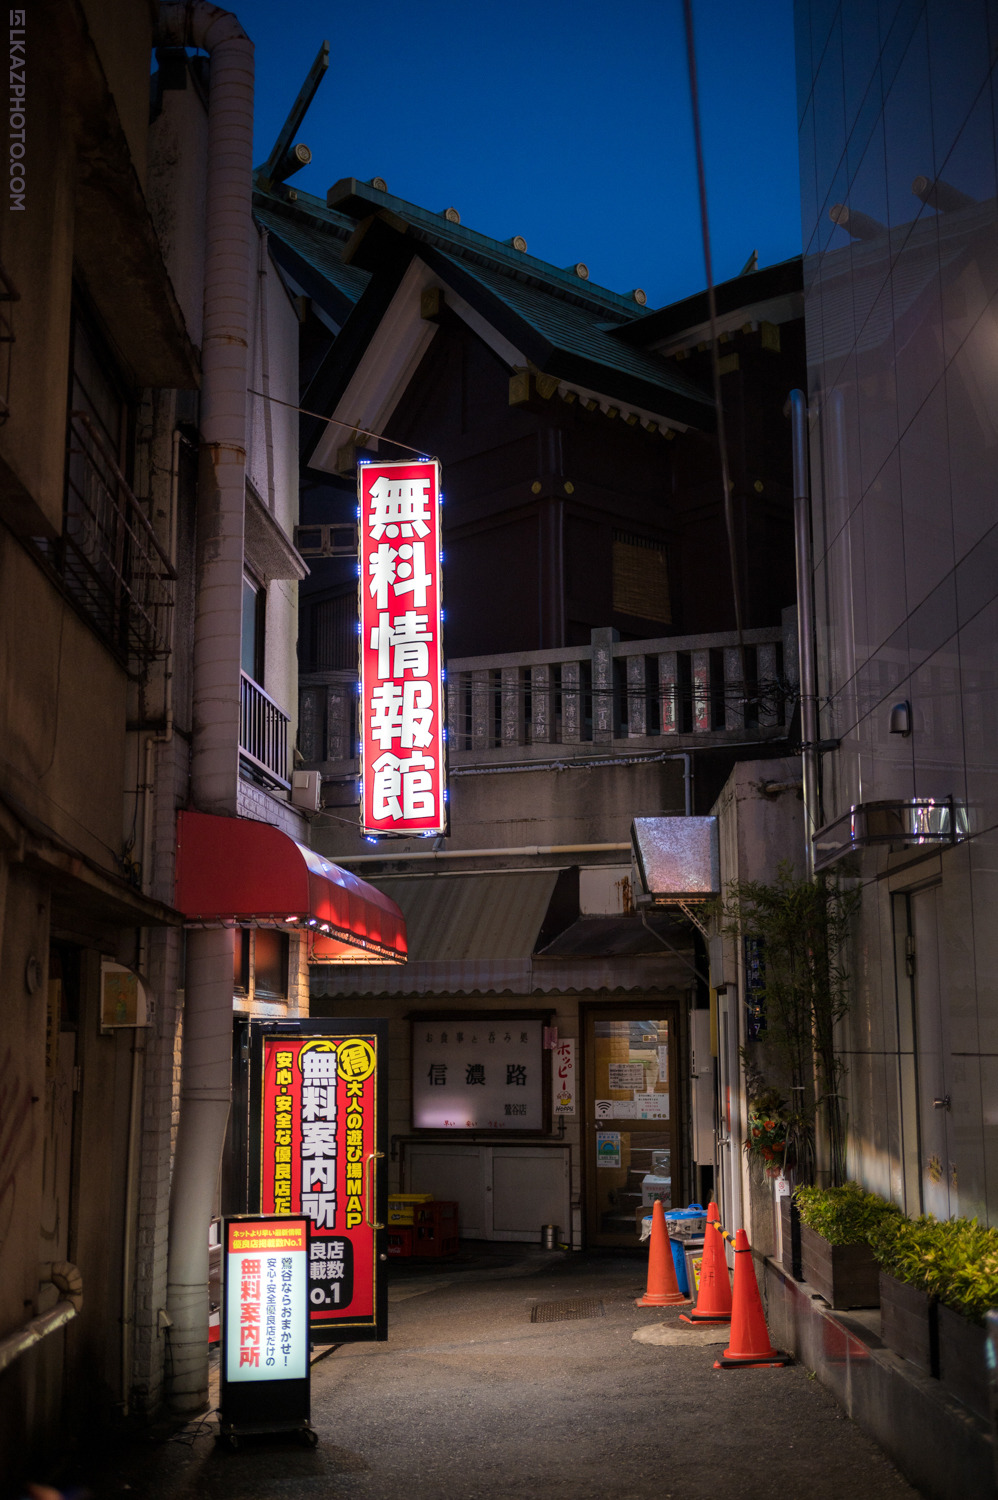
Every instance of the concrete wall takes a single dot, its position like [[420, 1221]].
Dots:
[[123, 37], [62, 739], [760, 825], [178, 141], [38, 258], [571, 805], [272, 469], [27, 1104]]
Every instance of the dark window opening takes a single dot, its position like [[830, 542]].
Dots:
[[641, 578], [241, 960], [270, 963], [253, 628]]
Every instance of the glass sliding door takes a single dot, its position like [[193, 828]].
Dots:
[[631, 1136]]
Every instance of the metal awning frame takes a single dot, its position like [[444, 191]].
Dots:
[[904, 823]]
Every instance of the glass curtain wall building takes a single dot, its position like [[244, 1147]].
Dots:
[[897, 115]]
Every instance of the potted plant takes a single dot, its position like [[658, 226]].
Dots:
[[943, 1274], [796, 930], [836, 1255], [768, 1141], [907, 1310]]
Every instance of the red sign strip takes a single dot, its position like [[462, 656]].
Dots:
[[401, 649], [318, 1141]]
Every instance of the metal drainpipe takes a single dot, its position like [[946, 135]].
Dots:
[[805, 622], [228, 299], [139, 1045]]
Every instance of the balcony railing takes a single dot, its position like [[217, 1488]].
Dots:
[[677, 692], [109, 557], [263, 734]]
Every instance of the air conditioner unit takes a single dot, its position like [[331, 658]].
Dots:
[[306, 790]]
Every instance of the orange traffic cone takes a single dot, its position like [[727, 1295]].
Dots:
[[749, 1335], [663, 1288], [713, 1303]]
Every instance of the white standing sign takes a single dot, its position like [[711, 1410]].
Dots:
[[266, 1300]]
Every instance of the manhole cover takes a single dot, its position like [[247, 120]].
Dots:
[[560, 1312]]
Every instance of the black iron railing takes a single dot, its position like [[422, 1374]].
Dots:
[[263, 733], [109, 557]]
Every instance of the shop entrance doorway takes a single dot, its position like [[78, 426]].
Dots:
[[631, 1140]]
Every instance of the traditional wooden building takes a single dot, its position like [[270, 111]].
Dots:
[[595, 672]]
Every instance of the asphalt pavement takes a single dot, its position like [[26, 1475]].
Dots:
[[514, 1374]]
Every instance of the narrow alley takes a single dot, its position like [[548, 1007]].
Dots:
[[515, 1374]]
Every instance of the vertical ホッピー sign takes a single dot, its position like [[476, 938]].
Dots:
[[401, 653], [265, 1370], [317, 1125]]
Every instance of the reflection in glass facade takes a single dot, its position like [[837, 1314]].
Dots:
[[897, 108]]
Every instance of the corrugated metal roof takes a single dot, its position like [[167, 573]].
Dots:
[[481, 916], [616, 937], [605, 976]]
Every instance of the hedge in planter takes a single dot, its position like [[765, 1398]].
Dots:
[[836, 1256], [953, 1262]]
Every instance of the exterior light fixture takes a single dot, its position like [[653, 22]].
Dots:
[[901, 718]]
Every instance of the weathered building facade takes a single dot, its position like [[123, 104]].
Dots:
[[136, 682]]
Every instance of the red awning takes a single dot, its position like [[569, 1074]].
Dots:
[[235, 872]]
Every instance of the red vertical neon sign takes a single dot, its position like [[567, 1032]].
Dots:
[[318, 1144], [401, 652]]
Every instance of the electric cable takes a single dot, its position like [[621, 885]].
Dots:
[[350, 426], [729, 522]]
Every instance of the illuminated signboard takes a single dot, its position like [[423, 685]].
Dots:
[[479, 1073], [265, 1335], [401, 663], [317, 1127], [266, 1299]]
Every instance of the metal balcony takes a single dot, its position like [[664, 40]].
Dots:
[[263, 735]]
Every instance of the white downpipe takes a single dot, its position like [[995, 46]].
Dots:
[[228, 301]]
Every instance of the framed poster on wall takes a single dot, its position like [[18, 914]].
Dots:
[[482, 1071]]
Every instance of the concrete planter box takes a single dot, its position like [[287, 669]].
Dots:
[[845, 1275], [790, 1238], [908, 1323], [962, 1368]]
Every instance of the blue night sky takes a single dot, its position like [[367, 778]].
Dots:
[[567, 123]]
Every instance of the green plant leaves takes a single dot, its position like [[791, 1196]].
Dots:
[[803, 926], [955, 1260], [846, 1215]]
